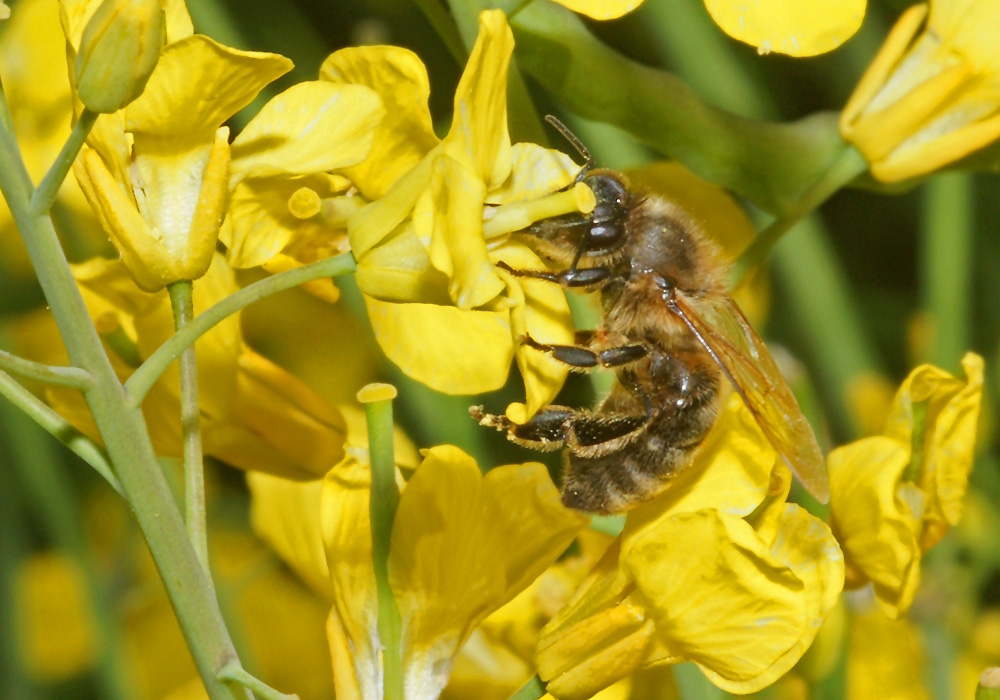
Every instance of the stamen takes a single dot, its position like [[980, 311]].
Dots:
[[508, 218]]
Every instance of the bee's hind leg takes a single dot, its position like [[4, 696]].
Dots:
[[546, 430]]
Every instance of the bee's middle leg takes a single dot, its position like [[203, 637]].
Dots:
[[580, 357]]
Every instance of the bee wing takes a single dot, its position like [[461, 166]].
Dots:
[[727, 335]]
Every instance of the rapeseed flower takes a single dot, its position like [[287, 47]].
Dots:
[[895, 495], [429, 245], [462, 545], [783, 26], [719, 570], [157, 172], [932, 94]]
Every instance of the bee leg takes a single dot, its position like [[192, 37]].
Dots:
[[545, 431], [586, 277], [584, 358]]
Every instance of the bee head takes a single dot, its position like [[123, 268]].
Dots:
[[609, 220]]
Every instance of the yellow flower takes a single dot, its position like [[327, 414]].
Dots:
[[462, 545], [719, 570], [932, 94], [157, 172], [282, 206], [893, 496], [793, 27], [428, 246], [255, 415]]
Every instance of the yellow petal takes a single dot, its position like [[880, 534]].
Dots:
[[448, 349], [719, 593], [261, 223], [875, 524], [400, 270], [377, 220], [312, 127], [174, 102], [209, 210], [450, 214], [478, 137], [540, 311], [796, 28], [950, 422], [276, 424], [346, 529], [462, 546], [286, 515], [535, 172], [806, 546], [601, 9], [731, 472], [405, 134], [142, 251]]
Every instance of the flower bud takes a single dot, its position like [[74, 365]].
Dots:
[[119, 49]]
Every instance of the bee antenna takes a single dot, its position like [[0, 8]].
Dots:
[[577, 144]]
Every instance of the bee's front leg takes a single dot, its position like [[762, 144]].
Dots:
[[583, 358], [585, 277]]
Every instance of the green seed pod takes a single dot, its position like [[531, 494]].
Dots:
[[119, 49]]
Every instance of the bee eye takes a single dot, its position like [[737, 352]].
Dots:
[[610, 215]]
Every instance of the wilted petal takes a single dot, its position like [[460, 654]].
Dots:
[[793, 27], [448, 349], [878, 527], [312, 127], [951, 417], [405, 134]]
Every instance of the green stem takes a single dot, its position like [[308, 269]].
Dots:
[[384, 501], [182, 302], [532, 690], [233, 672], [42, 198], [72, 377], [122, 427], [59, 428], [143, 378], [946, 261], [848, 165]]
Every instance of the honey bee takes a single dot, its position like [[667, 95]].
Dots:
[[670, 330]]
